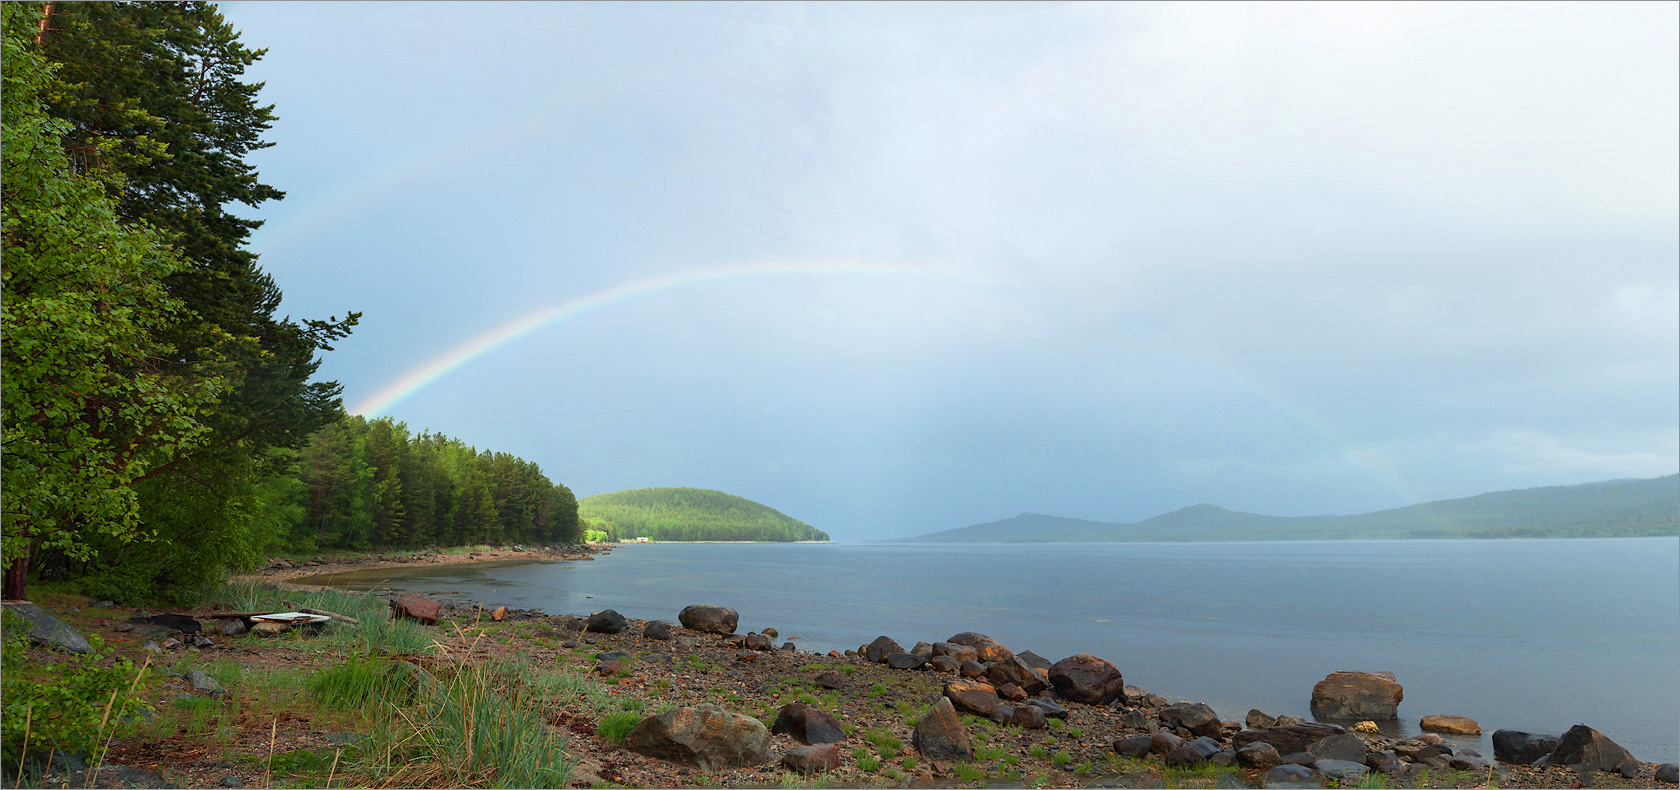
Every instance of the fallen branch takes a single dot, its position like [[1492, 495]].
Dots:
[[333, 615]]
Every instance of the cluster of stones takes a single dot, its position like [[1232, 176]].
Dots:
[[1022, 689]]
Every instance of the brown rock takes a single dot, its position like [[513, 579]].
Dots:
[[1029, 717], [986, 648], [500, 614], [940, 735], [1357, 695], [1014, 670], [746, 656], [959, 652], [972, 697], [807, 724], [1011, 692], [1287, 739], [812, 759], [269, 629], [705, 736], [759, 642], [710, 618], [971, 669], [1451, 725], [878, 650], [416, 607], [1193, 716], [1086, 678], [1589, 748]]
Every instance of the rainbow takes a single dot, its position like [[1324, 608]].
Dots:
[[487, 343]]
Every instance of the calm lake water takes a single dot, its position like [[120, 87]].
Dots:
[[1534, 635]]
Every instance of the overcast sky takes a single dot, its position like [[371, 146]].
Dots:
[[1101, 261]]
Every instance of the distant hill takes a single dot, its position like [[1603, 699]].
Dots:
[[1614, 508], [693, 514]]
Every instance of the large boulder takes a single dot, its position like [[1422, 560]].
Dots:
[[972, 697], [1590, 749], [44, 629], [1357, 695], [709, 618], [1034, 660], [1196, 717], [1521, 748], [605, 621], [940, 735], [807, 724], [986, 648], [877, 651], [1014, 670], [1451, 725], [1287, 739], [1085, 678], [704, 736], [415, 606]]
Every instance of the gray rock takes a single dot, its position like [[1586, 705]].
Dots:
[[877, 651], [710, 618], [905, 661], [1668, 772], [201, 681], [1468, 760], [1585, 746], [1344, 771], [123, 628], [1228, 781], [1163, 742], [1132, 695], [1002, 714], [1193, 716], [943, 664], [829, 680], [1184, 757], [1287, 738], [759, 642], [44, 629], [1135, 746], [1224, 758], [1258, 755], [1522, 748], [1014, 670], [1385, 762], [656, 629], [1346, 747], [959, 652], [1084, 678], [1299, 758], [806, 760], [1029, 717], [605, 621], [1050, 708], [807, 724], [1135, 718], [103, 605], [1291, 776], [1258, 720], [971, 669], [704, 736], [1034, 660], [923, 649], [226, 626]]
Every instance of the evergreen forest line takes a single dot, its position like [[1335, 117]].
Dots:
[[675, 514]]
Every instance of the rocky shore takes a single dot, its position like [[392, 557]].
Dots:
[[281, 570], [746, 708]]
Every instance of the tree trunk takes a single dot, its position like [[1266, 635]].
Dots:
[[41, 27], [15, 574]]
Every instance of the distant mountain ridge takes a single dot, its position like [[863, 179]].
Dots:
[[693, 514], [1612, 508]]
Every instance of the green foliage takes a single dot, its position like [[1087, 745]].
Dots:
[[1060, 759], [356, 683], [884, 742], [693, 514], [376, 631], [76, 704], [868, 764], [90, 400], [615, 727], [969, 772]]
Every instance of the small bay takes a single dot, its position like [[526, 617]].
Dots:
[[1534, 635]]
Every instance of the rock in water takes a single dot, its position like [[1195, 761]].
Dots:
[[1014, 670], [972, 696], [605, 621], [1451, 725], [704, 736], [807, 724], [710, 618], [656, 629], [1085, 678], [412, 606], [44, 629], [812, 759], [1193, 716], [1357, 695], [986, 648], [1585, 746], [940, 735], [877, 651]]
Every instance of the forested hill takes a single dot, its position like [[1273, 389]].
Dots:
[[691, 514], [1614, 508]]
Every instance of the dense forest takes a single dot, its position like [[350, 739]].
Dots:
[[690, 514], [162, 424], [1609, 509]]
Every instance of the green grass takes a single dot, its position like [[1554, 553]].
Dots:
[[1038, 751], [1060, 759], [356, 683], [986, 754], [377, 632], [1056, 724], [877, 690], [884, 742], [1073, 732], [615, 727], [808, 699], [969, 772], [909, 763], [868, 764]]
